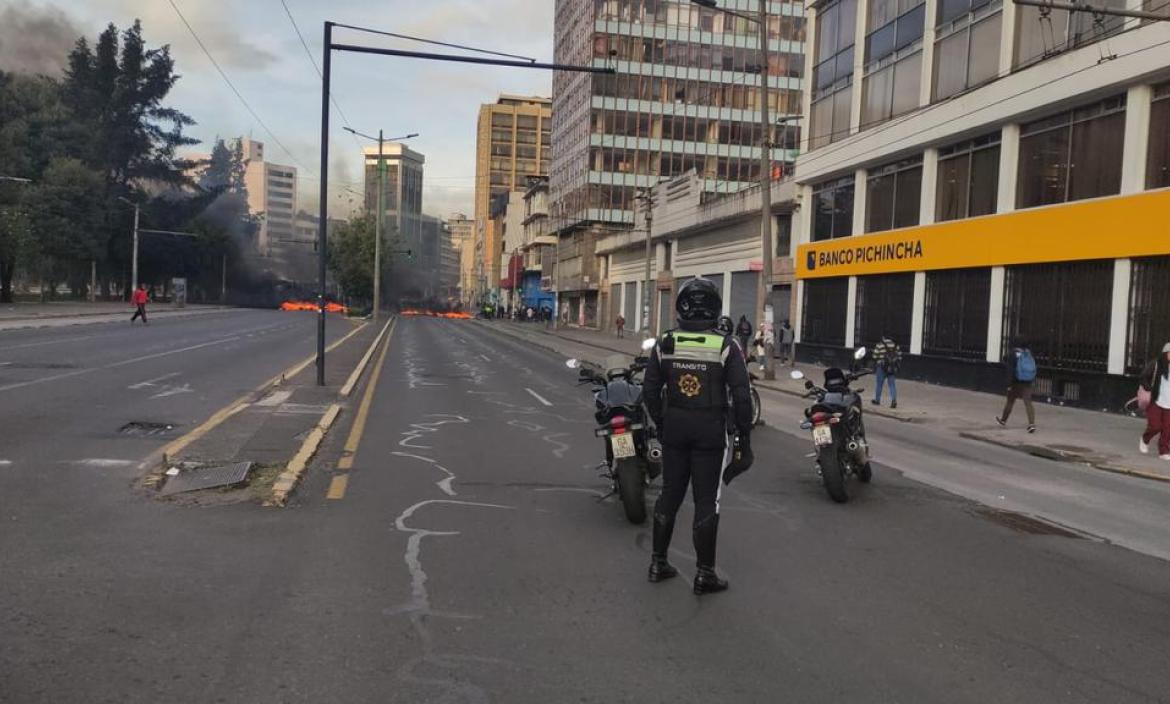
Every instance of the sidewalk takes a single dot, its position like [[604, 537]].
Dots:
[[1105, 441], [15, 316]]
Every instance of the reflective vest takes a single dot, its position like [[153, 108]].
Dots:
[[693, 369]]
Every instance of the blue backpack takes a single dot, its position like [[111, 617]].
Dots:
[[1025, 366]]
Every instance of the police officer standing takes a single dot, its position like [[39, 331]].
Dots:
[[686, 387]]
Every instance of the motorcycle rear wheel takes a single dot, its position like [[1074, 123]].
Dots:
[[757, 408], [632, 489], [832, 473]]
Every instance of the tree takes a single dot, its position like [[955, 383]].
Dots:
[[351, 257], [65, 211]]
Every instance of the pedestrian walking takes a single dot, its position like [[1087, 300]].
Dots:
[[887, 357], [530, 314], [1021, 372], [139, 298], [1156, 379], [620, 324], [743, 330], [787, 336]]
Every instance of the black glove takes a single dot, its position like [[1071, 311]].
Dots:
[[741, 458]]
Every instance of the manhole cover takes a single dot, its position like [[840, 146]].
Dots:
[[207, 478], [139, 428], [1024, 524]]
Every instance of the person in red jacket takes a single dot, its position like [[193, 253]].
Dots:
[[138, 298]]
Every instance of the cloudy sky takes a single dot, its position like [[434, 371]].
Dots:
[[256, 45]]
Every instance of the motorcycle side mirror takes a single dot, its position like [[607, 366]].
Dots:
[[860, 353], [641, 360], [796, 374], [808, 384], [573, 363], [648, 344]]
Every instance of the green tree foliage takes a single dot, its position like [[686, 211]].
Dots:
[[351, 257], [64, 210]]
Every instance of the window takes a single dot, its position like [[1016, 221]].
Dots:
[[893, 59], [833, 72], [1149, 299], [1062, 311], [968, 179], [885, 306], [1072, 155], [823, 317], [966, 52], [893, 196], [1041, 34], [1158, 162], [957, 312], [833, 209]]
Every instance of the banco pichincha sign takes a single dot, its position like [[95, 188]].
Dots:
[[1103, 228]]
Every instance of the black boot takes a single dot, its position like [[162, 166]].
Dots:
[[706, 535], [708, 582], [660, 568]]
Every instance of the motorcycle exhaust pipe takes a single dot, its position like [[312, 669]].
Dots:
[[654, 451], [859, 451]]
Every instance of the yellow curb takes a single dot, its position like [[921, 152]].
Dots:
[[361, 367], [296, 467]]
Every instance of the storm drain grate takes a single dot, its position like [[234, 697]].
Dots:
[[207, 478], [1025, 524], [139, 428]]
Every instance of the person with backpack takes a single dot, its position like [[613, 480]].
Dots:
[[887, 359], [1156, 380], [1021, 372]]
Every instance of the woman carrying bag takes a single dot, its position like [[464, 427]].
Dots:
[[1156, 381]]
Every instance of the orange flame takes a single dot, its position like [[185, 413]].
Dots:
[[308, 306], [414, 312]]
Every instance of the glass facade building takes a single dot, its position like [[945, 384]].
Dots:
[[686, 95]]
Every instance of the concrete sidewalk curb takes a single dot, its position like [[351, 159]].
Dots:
[[1057, 455], [155, 465], [54, 321], [129, 309], [288, 480]]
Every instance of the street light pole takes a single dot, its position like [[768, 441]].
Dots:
[[134, 254], [646, 287], [378, 232], [764, 289]]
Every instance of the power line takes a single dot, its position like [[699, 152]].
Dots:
[[235, 90], [432, 41]]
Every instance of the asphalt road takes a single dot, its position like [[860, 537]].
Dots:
[[470, 560]]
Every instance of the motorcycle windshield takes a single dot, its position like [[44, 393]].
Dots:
[[838, 400], [616, 363], [623, 394]]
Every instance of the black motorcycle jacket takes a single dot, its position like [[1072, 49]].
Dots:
[[686, 388]]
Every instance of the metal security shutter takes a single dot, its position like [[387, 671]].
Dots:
[[743, 296], [716, 279], [615, 305], [631, 309]]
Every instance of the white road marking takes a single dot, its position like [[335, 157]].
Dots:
[[174, 391], [274, 399], [151, 382], [98, 462], [5, 463], [46, 342], [486, 358], [538, 397]]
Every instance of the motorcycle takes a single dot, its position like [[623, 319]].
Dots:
[[633, 455], [838, 430]]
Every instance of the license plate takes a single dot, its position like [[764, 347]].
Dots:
[[822, 435], [623, 445]]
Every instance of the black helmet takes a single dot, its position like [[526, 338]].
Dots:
[[698, 305], [724, 325]]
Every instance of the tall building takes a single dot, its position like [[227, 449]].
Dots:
[[403, 217], [272, 193], [539, 247], [463, 239], [508, 224], [978, 172], [512, 143], [686, 95]]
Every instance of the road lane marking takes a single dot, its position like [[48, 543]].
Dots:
[[352, 381], [485, 358], [174, 391], [337, 487], [46, 342], [538, 397], [99, 462], [151, 382], [363, 414], [274, 399]]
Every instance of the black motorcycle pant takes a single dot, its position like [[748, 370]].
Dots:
[[700, 467]]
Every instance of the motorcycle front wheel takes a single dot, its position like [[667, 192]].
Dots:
[[832, 473], [757, 407], [632, 489]]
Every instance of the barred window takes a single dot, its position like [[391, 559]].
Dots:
[[885, 306], [1149, 310], [957, 312], [1062, 311], [823, 318]]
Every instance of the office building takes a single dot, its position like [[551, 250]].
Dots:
[[272, 195], [463, 239], [540, 244], [512, 144], [686, 96], [978, 172]]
